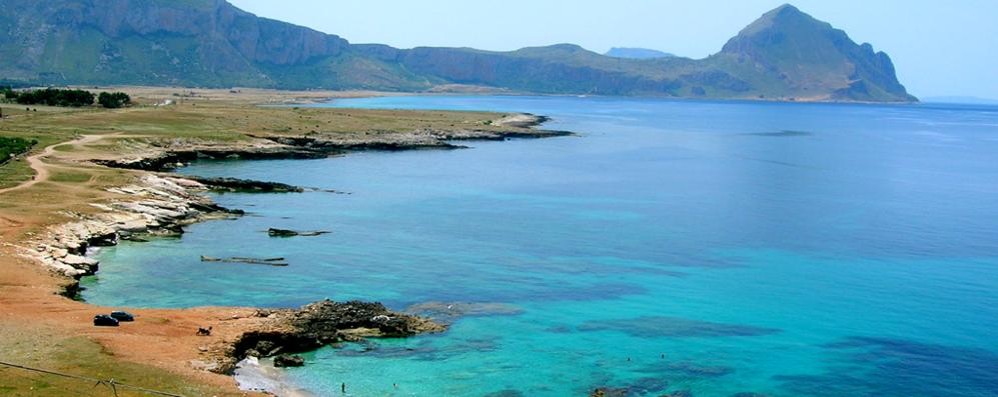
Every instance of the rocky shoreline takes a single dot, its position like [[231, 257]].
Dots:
[[171, 155], [158, 206], [161, 204]]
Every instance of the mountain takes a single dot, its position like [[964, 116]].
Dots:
[[786, 54], [636, 53], [805, 57]]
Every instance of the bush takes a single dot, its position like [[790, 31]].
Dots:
[[114, 100], [10, 147], [8, 92], [56, 97]]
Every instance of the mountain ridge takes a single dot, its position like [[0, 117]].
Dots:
[[636, 53], [784, 55]]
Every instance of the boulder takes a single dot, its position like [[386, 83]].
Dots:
[[288, 360]]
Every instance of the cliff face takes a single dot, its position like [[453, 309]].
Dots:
[[811, 58], [785, 54]]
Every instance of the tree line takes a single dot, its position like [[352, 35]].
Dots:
[[65, 97]]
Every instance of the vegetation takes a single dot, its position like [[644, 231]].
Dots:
[[8, 93], [82, 357], [10, 147], [114, 100], [65, 97], [54, 97]]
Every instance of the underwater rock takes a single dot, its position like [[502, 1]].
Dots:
[[449, 312], [288, 360], [274, 232], [609, 392]]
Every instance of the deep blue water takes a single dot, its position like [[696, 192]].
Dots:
[[710, 247]]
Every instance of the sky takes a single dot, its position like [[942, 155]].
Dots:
[[939, 48]]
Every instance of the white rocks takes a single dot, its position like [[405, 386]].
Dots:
[[78, 261], [58, 253], [154, 203]]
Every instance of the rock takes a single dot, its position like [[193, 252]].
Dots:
[[204, 366], [327, 322], [246, 185], [80, 262], [288, 360], [281, 232], [274, 232], [609, 392], [59, 253]]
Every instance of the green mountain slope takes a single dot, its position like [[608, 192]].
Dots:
[[786, 54]]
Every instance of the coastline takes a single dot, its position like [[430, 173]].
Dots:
[[162, 204]]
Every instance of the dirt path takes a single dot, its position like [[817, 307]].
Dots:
[[41, 169]]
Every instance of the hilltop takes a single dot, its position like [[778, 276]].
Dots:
[[785, 55], [636, 53]]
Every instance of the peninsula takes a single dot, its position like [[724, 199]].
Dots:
[[94, 176]]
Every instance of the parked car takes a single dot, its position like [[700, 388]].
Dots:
[[104, 320], [123, 316]]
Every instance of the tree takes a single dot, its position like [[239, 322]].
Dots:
[[8, 92], [114, 100], [56, 97]]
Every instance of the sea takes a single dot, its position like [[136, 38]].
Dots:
[[668, 248]]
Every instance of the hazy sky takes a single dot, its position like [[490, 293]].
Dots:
[[939, 48]]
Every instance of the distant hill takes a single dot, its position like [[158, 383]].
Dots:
[[636, 53], [786, 55]]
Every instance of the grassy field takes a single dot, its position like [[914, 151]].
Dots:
[[216, 119], [84, 358]]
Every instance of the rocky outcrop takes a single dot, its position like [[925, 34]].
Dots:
[[155, 205], [288, 360], [245, 185], [163, 156], [168, 158], [318, 324], [274, 232]]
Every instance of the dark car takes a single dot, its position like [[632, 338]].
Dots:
[[122, 316], [103, 320]]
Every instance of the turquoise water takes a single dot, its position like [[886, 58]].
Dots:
[[710, 247]]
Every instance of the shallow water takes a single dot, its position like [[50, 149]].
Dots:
[[714, 247]]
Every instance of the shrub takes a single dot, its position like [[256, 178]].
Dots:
[[10, 147], [114, 100], [56, 97]]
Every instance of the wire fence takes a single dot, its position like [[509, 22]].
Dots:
[[112, 385]]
